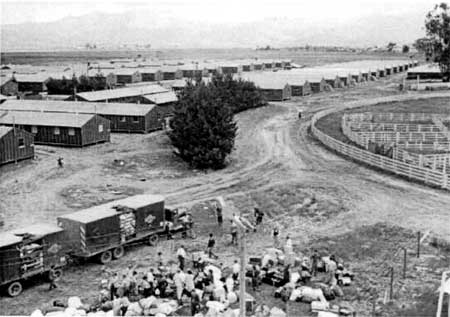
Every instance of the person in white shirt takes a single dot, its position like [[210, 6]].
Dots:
[[189, 281], [178, 280], [236, 269], [181, 254]]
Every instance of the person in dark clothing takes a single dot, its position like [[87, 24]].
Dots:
[[286, 274], [255, 278], [210, 246], [219, 215], [52, 279], [167, 231], [195, 303], [234, 233], [299, 114], [314, 261], [276, 233], [60, 162], [259, 216]]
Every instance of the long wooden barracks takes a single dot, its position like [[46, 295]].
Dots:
[[124, 117], [62, 129]]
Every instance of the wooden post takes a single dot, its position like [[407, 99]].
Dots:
[[441, 296], [391, 289], [418, 244], [374, 303], [404, 263]]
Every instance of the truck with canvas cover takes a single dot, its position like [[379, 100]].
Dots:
[[104, 230], [27, 252]]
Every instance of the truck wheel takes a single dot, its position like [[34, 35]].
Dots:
[[153, 239], [55, 274], [118, 252], [14, 289], [106, 257]]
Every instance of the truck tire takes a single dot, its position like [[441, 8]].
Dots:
[[153, 239], [118, 252], [14, 289], [55, 274], [105, 257]]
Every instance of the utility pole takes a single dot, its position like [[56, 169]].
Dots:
[[242, 273]]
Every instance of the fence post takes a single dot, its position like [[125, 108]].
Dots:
[[404, 263], [391, 289], [418, 244]]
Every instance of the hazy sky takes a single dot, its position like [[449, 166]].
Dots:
[[231, 11]]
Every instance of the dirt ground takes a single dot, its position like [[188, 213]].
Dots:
[[278, 166]]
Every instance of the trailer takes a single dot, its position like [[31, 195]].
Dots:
[[27, 252], [104, 230]]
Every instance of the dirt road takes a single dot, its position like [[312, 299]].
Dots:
[[276, 159]]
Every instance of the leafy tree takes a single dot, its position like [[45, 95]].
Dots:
[[202, 128], [425, 46], [405, 49], [390, 47], [437, 25], [62, 86], [242, 94]]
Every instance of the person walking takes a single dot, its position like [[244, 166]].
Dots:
[[60, 161], [181, 254], [210, 246], [234, 233]]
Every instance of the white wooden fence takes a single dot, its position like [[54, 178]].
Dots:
[[421, 174]]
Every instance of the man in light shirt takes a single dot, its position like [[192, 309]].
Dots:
[[181, 254], [236, 269]]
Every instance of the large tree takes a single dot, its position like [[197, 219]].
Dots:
[[437, 26], [202, 128]]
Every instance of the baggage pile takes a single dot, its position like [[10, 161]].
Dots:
[[317, 280]]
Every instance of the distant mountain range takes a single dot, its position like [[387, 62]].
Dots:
[[115, 30]]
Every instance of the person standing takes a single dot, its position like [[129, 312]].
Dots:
[[52, 276], [236, 268], [314, 261], [275, 234], [255, 278], [234, 233], [181, 254], [210, 246], [219, 214], [259, 216], [195, 303]]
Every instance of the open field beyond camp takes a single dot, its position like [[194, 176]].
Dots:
[[361, 214]]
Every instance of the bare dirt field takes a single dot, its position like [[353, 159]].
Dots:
[[361, 215]]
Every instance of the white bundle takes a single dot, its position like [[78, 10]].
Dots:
[[277, 312], [296, 293], [232, 297], [215, 305], [134, 309], [295, 277], [37, 313], [74, 302]]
